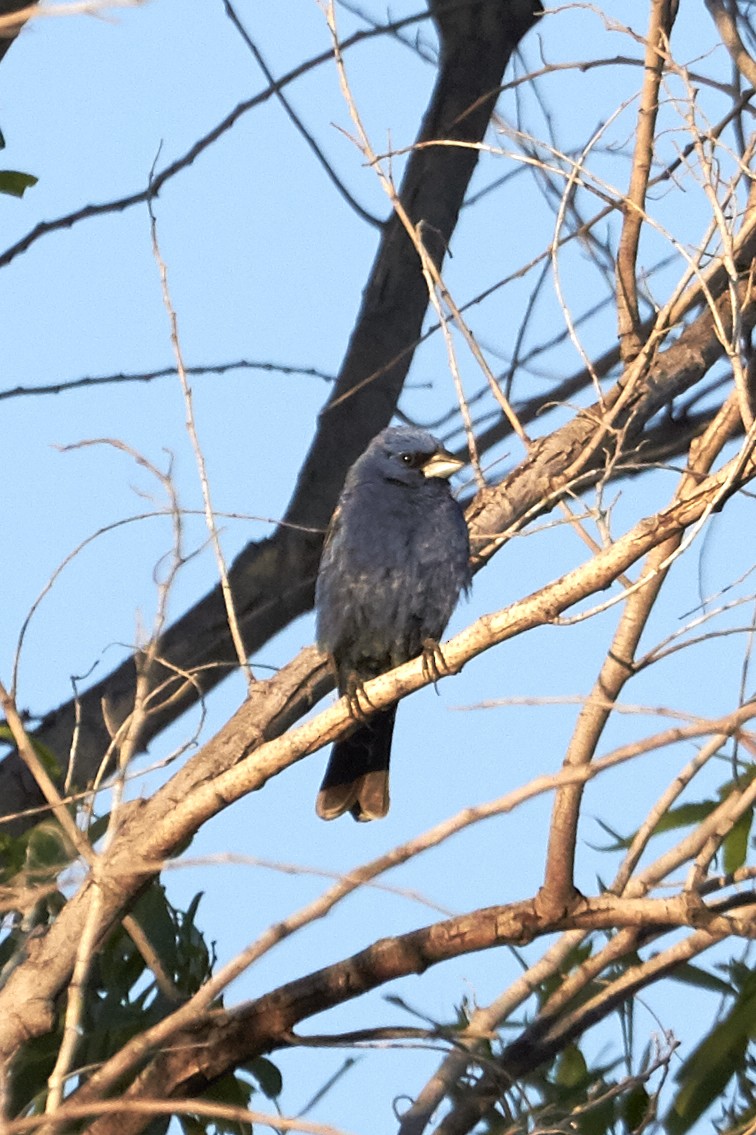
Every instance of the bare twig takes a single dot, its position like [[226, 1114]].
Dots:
[[191, 427], [297, 121], [163, 372], [657, 42]]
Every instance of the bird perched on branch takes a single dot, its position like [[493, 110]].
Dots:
[[395, 560]]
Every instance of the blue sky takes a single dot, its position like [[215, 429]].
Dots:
[[266, 262]]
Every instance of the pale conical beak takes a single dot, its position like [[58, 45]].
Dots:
[[442, 464]]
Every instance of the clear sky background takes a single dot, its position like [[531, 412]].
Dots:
[[266, 262]]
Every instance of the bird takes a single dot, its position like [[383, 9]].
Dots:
[[395, 560]]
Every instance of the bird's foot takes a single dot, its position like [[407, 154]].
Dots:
[[360, 705], [434, 663]]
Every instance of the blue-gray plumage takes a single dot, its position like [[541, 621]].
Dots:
[[395, 560]]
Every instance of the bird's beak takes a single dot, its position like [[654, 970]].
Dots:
[[441, 464]]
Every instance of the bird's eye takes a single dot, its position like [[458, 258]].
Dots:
[[406, 458], [411, 460]]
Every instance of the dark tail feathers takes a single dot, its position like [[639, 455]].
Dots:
[[357, 777]]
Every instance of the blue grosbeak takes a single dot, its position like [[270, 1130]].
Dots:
[[395, 560]]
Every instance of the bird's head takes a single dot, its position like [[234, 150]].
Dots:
[[409, 456]]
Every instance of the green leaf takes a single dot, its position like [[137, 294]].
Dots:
[[635, 1107], [571, 1069], [618, 841], [700, 978], [97, 828], [701, 1090], [15, 183], [154, 914], [267, 1075], [573, 960], [709, 1068], [12, 855], [684, 816], [32, 1067], [50, 762], [232, 1090], [746, 773], [47, 849], [735, 846], [599, 1119]]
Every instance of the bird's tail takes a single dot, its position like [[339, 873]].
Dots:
[[357, 777]]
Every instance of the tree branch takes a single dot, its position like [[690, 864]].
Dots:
[[13, 16], [657, 43], [226, 1038]]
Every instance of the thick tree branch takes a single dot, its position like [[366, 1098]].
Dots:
[[225, 1038], [725, 19]]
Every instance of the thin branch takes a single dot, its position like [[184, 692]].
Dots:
[[297, 121], [163, 372], [534, 1047], [37, 769], [257, 573], [191, 427], [168, 172], [75, 1008], [414, 232], [634, 206], [156, 1108], [160, 1035], [273, 580]]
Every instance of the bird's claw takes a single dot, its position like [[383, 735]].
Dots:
[[434, 664], [360, 705]]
